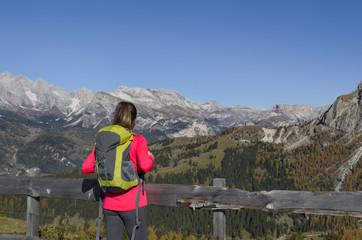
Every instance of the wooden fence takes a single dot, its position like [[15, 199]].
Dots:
[[218, 198]]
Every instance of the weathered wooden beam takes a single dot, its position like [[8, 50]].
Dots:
[[33, 210], [219, 218], [83, 189], [326, 203], [32, 216], [4, 236]]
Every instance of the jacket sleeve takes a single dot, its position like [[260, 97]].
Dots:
[[88, 164], [144, 161]]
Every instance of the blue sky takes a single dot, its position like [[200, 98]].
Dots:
[[236, 52]]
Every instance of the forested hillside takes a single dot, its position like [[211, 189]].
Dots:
[[257, 166]]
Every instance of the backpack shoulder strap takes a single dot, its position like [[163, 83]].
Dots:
[[138, 221]]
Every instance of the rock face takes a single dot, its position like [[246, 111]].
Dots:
[[345, 113]]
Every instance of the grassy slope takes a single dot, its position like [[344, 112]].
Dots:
[[179, 146], [12, 226]]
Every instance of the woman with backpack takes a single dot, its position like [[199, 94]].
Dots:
[[119, 208]]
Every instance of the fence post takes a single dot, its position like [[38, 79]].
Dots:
[[32, 211], [219, 219]]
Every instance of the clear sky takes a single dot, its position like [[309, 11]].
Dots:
[[237, 52]]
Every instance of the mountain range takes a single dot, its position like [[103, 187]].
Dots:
[[162, 113], [46, 126]]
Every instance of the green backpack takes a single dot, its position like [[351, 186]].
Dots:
[[115, 171]]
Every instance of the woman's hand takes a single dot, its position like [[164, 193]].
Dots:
[[149, 153]]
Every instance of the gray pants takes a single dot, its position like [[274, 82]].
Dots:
[[116, 221]]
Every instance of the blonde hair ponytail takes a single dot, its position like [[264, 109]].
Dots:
[[125, 115]]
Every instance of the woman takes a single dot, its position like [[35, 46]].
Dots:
[[119, 208]]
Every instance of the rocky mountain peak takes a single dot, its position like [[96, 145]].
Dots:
[[211, 106], [345, 113], [158, 99], [6, 75]]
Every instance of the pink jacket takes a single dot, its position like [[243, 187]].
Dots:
[[126, 201]]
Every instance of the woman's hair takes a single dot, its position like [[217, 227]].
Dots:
[[125, 115]]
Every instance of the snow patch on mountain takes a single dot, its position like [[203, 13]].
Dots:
[[31, 96]]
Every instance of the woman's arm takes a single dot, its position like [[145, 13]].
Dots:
[[88, 164], [144, 157]]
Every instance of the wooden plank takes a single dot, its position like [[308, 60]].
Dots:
[[326, 203], [32, 216], [219, 218], [32, 210], [83, 189], [329, 203], [4, 236]]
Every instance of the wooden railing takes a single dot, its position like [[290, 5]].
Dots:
[[218, 198]]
